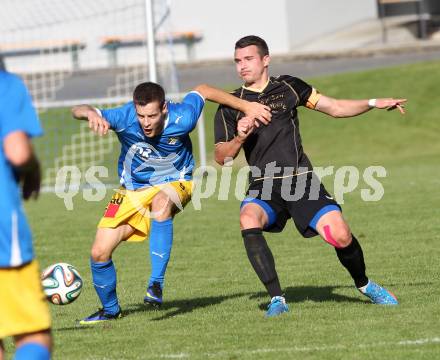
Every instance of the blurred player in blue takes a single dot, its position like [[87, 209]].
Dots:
[[155, 169], [24, 313]]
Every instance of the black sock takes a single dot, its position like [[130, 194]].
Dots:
[[352, 258], [262, 260]]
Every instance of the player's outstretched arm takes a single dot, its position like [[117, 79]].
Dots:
[[18, 150], [253, 110], [96, 122], [346, 108]]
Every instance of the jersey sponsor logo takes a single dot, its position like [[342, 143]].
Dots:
[[276, 102], [173, 140]]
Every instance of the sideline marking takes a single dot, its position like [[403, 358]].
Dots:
[[435, 340]]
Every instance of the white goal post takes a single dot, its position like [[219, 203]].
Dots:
[[79, 51]]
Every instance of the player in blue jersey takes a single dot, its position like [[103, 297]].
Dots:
[[155, 169], [24, 313]]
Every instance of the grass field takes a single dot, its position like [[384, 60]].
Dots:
[[215, 305]]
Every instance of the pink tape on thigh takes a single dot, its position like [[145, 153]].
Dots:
[[329, 238]]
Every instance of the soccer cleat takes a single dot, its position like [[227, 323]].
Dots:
[[99, 317], [277, 306], [154, 295], [379, 295]]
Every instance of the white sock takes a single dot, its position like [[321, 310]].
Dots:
[[363, 289], [283, 300]]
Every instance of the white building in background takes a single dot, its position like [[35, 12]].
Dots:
[[70, 35], [285, 24]]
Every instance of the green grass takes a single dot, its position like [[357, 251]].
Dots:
[[215, 304]]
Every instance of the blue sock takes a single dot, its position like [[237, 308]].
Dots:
[[104, 281], [161, 241], [32, 351]]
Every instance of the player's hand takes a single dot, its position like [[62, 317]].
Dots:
[[97, 123], [245, 127], [31, 181], [260, 112], [391, 104]]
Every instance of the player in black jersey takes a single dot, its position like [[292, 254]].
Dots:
[[282, 184]]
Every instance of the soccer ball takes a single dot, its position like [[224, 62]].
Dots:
[[62, 283]]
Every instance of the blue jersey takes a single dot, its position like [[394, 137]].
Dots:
[[164, 158], [16, 114]]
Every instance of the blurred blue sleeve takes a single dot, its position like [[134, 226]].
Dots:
[[16, 110]]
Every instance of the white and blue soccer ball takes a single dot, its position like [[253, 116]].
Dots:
[[62, 283]]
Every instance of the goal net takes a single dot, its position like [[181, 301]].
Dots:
[[76, 52]]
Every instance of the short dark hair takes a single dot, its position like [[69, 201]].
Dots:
[[148, 92], [249, 40]]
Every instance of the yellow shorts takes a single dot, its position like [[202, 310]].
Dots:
[[23, 305], [133, 206]]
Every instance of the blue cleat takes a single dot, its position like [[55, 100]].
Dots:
[[379, 295], [154, 295], [277, 306], [99, 317]]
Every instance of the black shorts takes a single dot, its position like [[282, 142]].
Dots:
[[302, 198]]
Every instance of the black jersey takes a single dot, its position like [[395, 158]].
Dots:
[[278, 143]]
